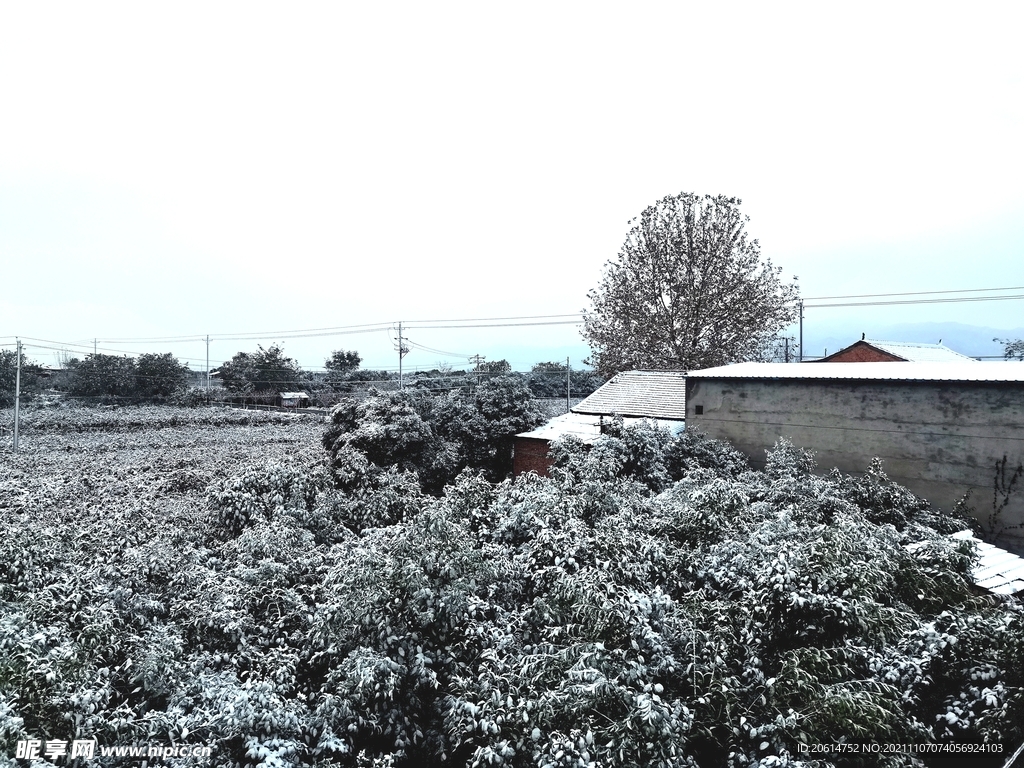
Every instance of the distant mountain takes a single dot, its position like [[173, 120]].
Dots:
[[971, 340]]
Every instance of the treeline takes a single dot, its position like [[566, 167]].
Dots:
[[148, 377], [260, 377]]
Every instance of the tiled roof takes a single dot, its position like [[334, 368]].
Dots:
[[966, 371], [921, 353], [998, 571], [587, 427], [643, 394]]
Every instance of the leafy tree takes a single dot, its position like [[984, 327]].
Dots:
[[548, 380], [441, 379], [339, 365], [433, 436], [1012, 349], [151, 375], [9, 374], [504, 407], [100, 374], [494, 366], [263, 371], [687, 290], [159, 375]]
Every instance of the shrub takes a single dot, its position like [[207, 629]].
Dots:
[[434, 436]]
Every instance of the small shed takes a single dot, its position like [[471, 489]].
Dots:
[[293, 399], [869, 351], [658, 396]]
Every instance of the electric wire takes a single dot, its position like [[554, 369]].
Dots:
[[914, 293], [955, 300]]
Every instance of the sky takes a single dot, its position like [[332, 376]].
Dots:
[[259, 172]]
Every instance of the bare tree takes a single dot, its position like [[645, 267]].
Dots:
[[687, 290]]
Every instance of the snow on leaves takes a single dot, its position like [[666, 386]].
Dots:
[[655, 602]]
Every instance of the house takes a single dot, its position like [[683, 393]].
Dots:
[[938, 427], [658, 396], [868, 351], [293, 399]]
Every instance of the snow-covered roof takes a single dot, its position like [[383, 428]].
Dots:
[[292, 395], [644, 394], [998, 571], [898, 371], [587, 427], [920, 353]]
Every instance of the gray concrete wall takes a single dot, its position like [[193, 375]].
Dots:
[[940, 439]]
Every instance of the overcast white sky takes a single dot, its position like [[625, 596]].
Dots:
[[191, 168]]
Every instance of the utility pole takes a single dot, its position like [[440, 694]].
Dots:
[[800, 352], [94, 345], [402, 352], [207, 368], [478, 359], [567, 384], [17, 397]]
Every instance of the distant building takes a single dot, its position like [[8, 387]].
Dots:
[[293, 399], [658, 396], [869, 351], [938, 427]]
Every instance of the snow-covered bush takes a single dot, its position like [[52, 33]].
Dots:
[[653, 603], [433, 436]]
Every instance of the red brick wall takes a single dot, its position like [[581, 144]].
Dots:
[[530, 454], [861, 353]]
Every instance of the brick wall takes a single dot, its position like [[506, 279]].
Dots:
[[862, 353], [530, 454]]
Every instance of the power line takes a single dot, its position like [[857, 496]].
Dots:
[[501, 325], [914, 293], [491, 319], [254, 334], [63, 347], [328, 331], [518, 321], [954, 300], [436, 351], [296, 335]]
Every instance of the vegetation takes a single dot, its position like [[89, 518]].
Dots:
[[687, 290], [431, 437], [30, 377], [340, 367], [159, 375], [654, 603], [1013, 349], [493, 366], [149, 376], [265, 371], [548, 380]]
